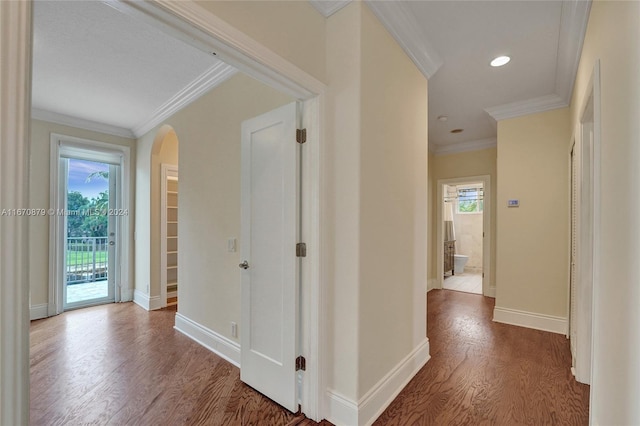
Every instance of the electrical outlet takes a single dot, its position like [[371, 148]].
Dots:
[[234, 329]]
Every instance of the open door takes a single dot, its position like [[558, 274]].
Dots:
[[270, 224]]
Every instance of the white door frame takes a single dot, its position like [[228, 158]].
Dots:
[[586, 140], [15, 104], [60, 144], [487, 290], [190, 21], [166, 171]]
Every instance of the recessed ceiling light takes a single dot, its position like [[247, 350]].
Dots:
[[443, 118], [500, 61], [457, 131]]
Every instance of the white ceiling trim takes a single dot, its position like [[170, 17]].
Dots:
[[573, 27], [402, 25], [80, 123], [201, 85], [464, 146], [530, 106], [204, 30], [328, 7]]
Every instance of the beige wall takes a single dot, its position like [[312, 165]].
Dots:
[[39, 187], [292, 29], [393, 204], [462, 164], [209, 202], [533, 239], [613, 37], [341, 202]]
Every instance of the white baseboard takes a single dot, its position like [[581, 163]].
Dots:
[[431, 284], [216, 343], [172, 294], [491, 292], [343, 411], [146, 302], [530, 320], [374, 402], [39, 311], [126, 295]]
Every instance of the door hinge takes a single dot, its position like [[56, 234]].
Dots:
[[301, 135], [301, 363], [301, 250], [483, 275]]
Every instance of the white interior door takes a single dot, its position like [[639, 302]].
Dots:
[[270, 224]]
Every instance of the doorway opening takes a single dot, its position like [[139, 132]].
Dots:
[[463, 227], [463, 218], [169, 235]]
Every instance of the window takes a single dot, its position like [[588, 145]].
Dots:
[[470, 200]]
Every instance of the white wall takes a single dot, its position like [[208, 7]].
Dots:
[[613, 37]]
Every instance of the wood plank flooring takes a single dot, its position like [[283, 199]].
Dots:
[[118, 364], [486, 373]]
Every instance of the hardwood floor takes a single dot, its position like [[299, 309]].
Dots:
[[486, 373], [118, 364]]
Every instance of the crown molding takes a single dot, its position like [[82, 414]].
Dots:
[[402, 25], [328, 7], [454, 148], [530, 106], [198, 87], [80, 123], [573, 27]]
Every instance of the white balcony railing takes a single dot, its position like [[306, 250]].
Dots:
[[86, 259]]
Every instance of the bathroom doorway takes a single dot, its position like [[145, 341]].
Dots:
[[462, 224]]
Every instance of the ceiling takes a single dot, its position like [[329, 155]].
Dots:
[[452, 43], [99, 68]]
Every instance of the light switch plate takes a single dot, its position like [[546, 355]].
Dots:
[[513, 203]]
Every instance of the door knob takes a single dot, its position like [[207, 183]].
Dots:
[[112, 243], [244, 265]]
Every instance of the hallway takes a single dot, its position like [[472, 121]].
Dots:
[[483, 372]]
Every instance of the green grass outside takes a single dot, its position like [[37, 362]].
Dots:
[[84, 257]]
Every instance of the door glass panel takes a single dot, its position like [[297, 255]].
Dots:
[[89, 233]]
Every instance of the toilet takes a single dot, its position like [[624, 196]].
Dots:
[[459, 260]]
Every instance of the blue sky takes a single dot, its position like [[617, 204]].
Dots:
[[79, 170]]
